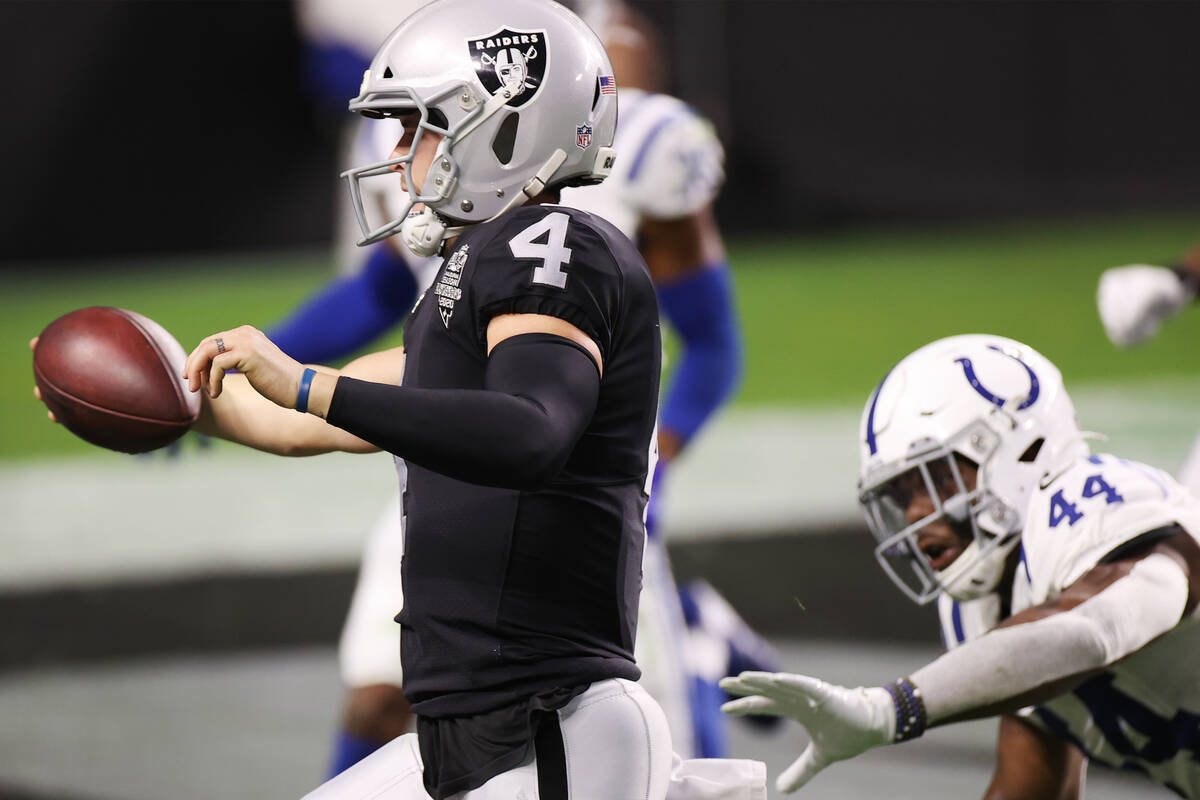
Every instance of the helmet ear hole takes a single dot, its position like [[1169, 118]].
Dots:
[[1031, 452], [387, 73], [506, 138]]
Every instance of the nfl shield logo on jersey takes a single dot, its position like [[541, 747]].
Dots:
[[511, 61], [583, 136]]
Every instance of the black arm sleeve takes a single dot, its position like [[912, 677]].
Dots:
[[539, 394]]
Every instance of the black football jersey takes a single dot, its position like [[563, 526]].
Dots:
[[511, 593]]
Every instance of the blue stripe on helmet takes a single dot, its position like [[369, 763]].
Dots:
[[871, 415]]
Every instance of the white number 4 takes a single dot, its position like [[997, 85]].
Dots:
[[553, 252]]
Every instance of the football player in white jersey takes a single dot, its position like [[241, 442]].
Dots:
[[659, 194], [1067, 583], [1135, 300]]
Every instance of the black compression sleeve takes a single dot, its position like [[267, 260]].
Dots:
[[539, 394]]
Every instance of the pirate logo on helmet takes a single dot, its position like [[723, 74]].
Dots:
[[511, 61]]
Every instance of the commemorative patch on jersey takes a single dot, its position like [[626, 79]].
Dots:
[[512, 61], [583, 136], [447, 288]]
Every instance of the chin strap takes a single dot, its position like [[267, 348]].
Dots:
[[536, 185], [424, 231]]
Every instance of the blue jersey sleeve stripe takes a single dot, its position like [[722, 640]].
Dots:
[[956, 618]]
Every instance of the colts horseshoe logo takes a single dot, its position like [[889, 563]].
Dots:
[[969, 372]]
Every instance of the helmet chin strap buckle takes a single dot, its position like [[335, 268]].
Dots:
[[423, 232]]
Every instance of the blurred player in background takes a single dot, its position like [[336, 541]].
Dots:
[[1067, 583], [1135, 300], [660, 194]]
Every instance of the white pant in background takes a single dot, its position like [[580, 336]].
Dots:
[[369, 649], [617, 747]]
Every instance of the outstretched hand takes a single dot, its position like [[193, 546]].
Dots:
[[840, 722], [273, 374]]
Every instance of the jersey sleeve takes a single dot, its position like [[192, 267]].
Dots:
[[553, 261], [678, 167], [1088, 514], [963, 621]]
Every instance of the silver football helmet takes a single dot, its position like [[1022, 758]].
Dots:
[[512, 87], [972, 401]]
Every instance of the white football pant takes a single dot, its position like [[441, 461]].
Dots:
[[616, 746]]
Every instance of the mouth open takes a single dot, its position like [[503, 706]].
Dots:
[[940, 547], [942, 556]]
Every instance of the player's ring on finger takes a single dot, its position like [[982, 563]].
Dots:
[[221, 348]]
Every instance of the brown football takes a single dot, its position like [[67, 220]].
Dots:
[[112, 377]]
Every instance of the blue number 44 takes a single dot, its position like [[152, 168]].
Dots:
[[1062, 509]]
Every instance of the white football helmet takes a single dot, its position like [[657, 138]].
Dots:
[[995, 402], [511, 87]]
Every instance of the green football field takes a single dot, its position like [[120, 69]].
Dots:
[[824, 316]]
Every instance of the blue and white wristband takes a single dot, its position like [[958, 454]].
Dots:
[[910, 709], [306, 380]]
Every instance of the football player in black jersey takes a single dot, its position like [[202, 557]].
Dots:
[[524, 429]]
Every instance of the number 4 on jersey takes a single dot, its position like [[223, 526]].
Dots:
[[1062, 509], [553, 252], [1097, 485]]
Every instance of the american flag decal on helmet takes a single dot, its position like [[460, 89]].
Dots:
[[608, 84]]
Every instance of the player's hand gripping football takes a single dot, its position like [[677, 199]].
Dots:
[[840, 722], [273, 374], [1135, 300]]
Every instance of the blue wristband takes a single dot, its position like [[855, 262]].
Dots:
[[302, 394], [911, 719]]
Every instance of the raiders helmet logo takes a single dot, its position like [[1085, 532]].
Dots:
[[511, 61]]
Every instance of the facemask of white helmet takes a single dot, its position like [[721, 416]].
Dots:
[[939, 483]]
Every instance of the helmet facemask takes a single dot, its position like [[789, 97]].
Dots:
[[424, 229], [985, 527]]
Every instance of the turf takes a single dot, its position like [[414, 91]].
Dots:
[[824, 316]]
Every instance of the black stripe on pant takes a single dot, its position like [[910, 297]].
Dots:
[[551, 758]]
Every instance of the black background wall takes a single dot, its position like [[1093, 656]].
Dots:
[[169, 126]]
